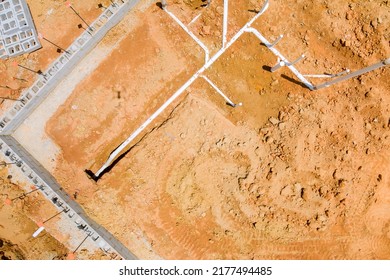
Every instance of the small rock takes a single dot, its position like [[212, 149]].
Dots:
[[341, 183], [368, 94], [367, 28], [298, 187], [349, 15], [206, 29], [282, 125], [345, 43], [374, 24], [219, 10], [273, 120], [287, 191], [269, 139], [322, 218], [282, 116]]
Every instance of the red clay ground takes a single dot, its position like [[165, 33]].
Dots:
[[216, 182], [292, 174]]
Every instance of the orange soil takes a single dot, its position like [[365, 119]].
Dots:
[[212, 182], [17, 224]]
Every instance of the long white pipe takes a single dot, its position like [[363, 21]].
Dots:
[[328, 75], [195, 18], [318, 76], [219, 91], [118, 150], [225, 22], [380, 64], [190, 33]]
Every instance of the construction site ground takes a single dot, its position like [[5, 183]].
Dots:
[[291, 174]]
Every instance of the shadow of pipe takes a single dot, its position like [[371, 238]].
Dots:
[[159, 4], [293, 81], [267, 68]]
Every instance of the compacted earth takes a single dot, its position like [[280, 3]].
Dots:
[[290, 174]]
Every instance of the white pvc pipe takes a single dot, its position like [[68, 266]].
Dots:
[[278, 66], [276, 41], [341, 73], [38, 231], [355, 73], [195, 18], [225, 22], [119, 149], [190, 33], [328, 75], [281, 57], [219, 91], [318, 76], [297, 60]]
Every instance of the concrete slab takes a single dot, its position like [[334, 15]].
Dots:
[[17, 30]]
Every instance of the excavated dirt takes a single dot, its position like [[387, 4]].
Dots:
[[17, 226], [292, 174]]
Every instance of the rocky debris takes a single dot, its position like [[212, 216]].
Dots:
[[282, 125], [345, 43], [273, 120], [206, 30], [349, 15], [219, 10]]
